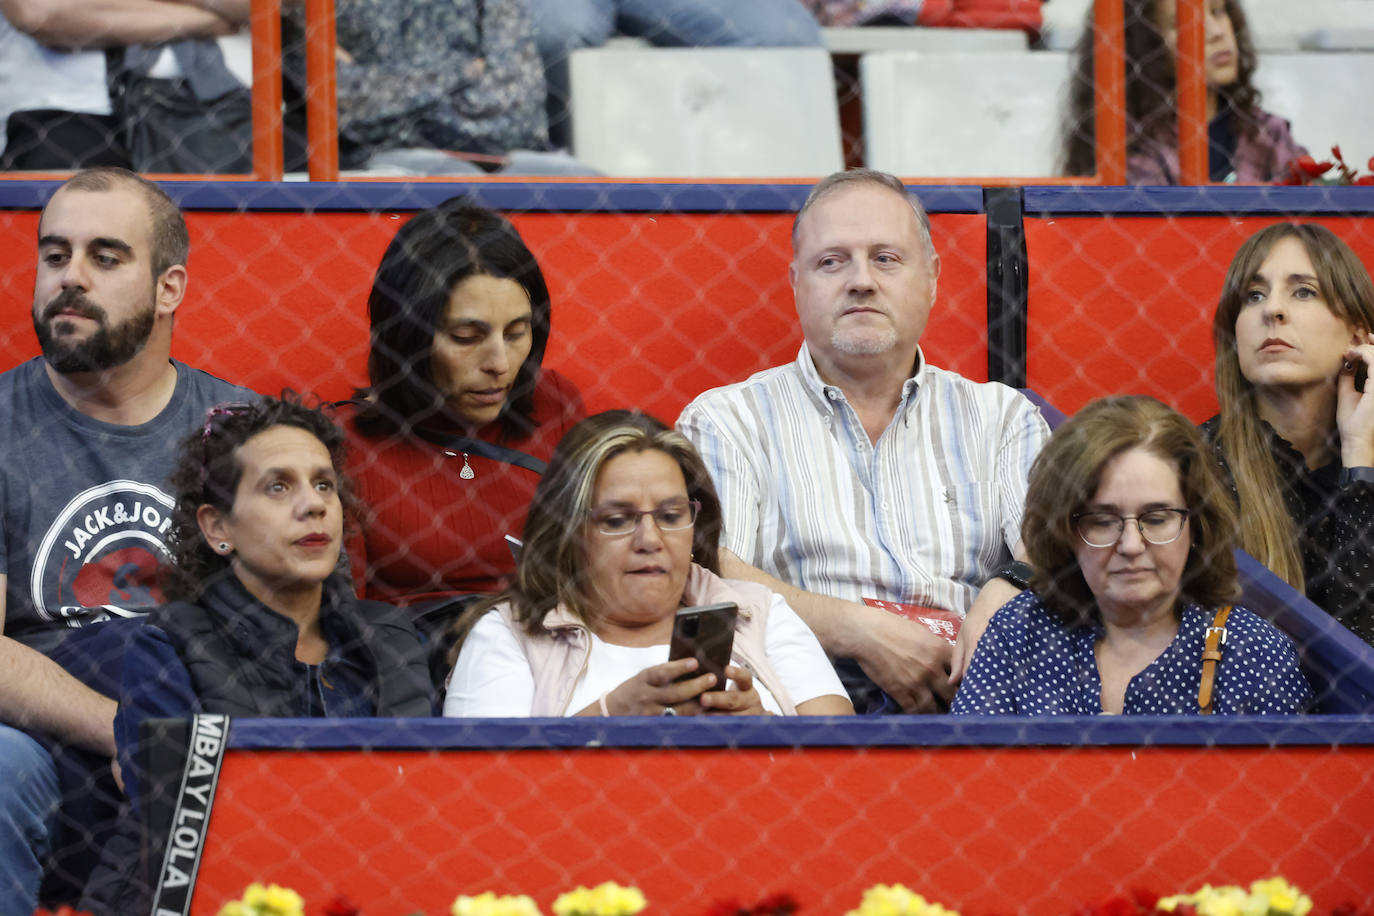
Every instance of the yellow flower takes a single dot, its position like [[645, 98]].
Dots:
[[896, 900], [282, 901], [607, 899], [273, 900], [1281, 897], [573, 903], [488, 904]]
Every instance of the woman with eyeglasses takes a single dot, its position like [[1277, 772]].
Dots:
[[623, 532], [1130, 532]]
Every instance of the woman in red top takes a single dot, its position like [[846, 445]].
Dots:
[[460, 317]]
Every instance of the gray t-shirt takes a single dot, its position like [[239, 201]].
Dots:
[[84, 502]]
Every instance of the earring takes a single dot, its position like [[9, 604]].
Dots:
[[223, 546]]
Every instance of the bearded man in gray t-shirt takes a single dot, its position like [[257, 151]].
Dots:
[[91, 429]]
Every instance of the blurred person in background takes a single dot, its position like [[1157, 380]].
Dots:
[[622, 533], [438, 88], [1131, 535], [1294, 337], [847, 13], [451, 435], [1246, 144], [564, 26], [67, 100]]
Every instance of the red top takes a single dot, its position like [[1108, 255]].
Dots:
[[428, 531]]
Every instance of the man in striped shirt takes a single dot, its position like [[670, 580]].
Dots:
[[861, 471]]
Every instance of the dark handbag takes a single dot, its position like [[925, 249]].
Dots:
[[166, 128]]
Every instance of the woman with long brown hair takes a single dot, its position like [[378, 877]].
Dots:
[[1294, 336], [1246, 144]]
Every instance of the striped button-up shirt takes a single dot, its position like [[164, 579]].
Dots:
[[924, 516]]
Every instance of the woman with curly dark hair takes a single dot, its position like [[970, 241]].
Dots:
[[263, 621], [1246, 144]]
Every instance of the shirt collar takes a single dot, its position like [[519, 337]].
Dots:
[[833, 394]]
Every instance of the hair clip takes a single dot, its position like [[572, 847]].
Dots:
[[236, 408]]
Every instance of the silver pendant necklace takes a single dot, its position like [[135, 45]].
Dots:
[[466, 473]]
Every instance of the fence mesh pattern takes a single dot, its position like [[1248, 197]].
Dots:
[[651, 305]]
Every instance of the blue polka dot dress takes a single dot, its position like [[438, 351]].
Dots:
[[1030, 663]]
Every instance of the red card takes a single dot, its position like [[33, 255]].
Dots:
[[944, 624]]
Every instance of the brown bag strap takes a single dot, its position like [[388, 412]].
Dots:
[[1211, 654]]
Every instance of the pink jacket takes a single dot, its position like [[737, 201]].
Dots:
[[1260, 159], [558, 655]]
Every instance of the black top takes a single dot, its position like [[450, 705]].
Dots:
[[1335, 531], [1221, 147]]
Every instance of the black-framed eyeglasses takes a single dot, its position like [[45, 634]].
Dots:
[[1157, 526], [673, 516]]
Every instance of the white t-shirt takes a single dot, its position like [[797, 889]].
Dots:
[[493, 679]]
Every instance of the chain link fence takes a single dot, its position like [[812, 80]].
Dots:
[[659, 292]]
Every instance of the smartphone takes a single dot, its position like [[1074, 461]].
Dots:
[[706, 633]]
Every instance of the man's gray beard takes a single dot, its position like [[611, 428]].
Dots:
[[863, 343], [105, 349]]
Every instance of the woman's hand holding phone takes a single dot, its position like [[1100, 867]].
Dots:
[[656, 688], [741, 699]]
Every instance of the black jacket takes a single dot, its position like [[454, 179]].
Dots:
[[241, 655]]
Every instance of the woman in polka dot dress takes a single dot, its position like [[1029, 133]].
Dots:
[[1130, 531]]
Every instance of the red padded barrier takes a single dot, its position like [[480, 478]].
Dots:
[[1124, 304], [649, 309], [1034, 831]]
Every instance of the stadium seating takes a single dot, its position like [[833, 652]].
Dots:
[[934, 113], [695, 112], [1314, 92]]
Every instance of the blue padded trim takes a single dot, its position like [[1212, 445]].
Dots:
[[887, 731], [1220, 200], [522, 196]]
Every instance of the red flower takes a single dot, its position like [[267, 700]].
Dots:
[[1313, 167], [341, 906], [777, 905], [1146, 900]]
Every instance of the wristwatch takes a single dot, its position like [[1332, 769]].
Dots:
[[1018, 573]]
